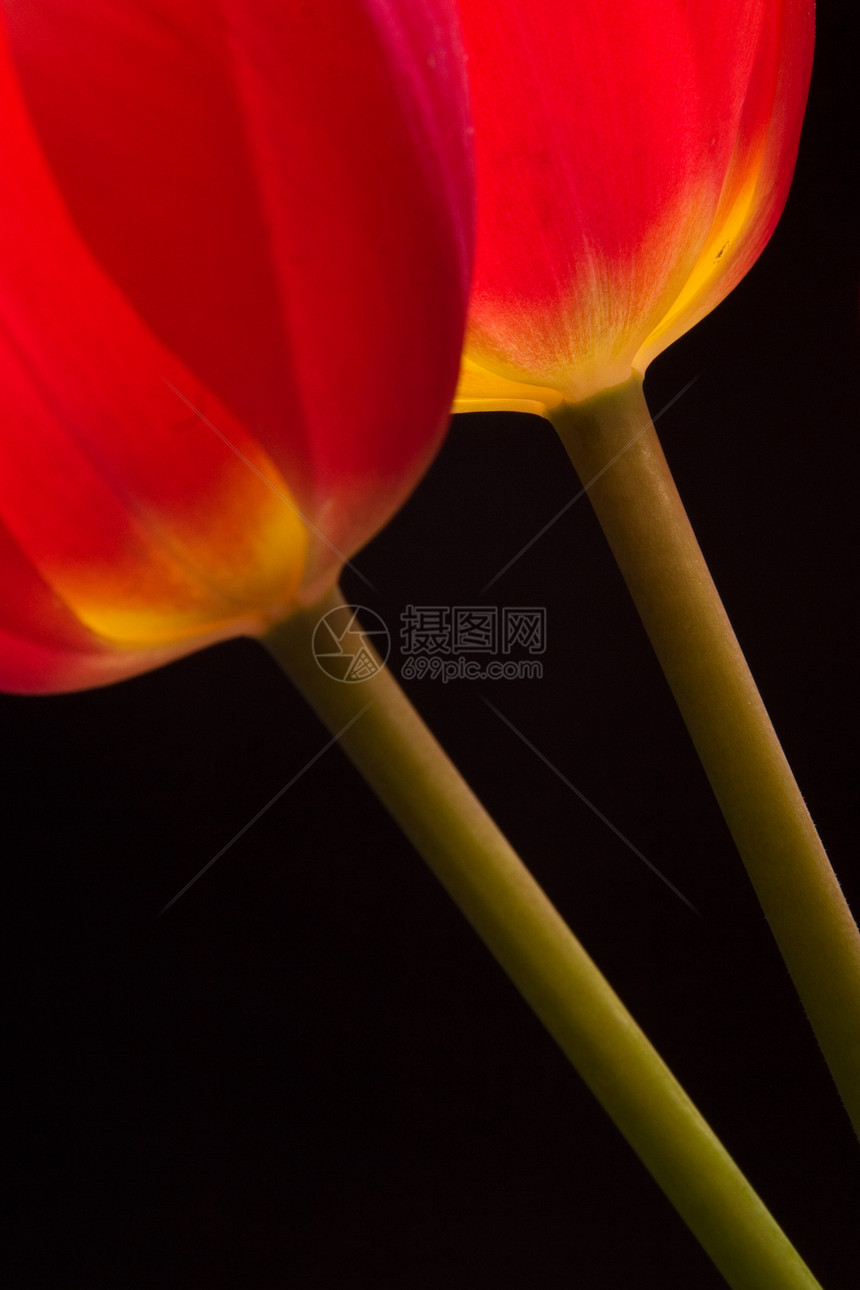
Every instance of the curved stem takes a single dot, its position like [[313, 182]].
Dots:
[[612, 444], [392, 748]]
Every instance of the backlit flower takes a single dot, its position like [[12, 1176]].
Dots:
[[234, 264], [633, 158]]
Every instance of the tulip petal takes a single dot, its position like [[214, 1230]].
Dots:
[[759, 176], [276, 233], [44, 649], [480, 390], [43, 646], [141, 518], [603, 135]]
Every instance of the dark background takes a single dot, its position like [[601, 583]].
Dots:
[[309, 1073]]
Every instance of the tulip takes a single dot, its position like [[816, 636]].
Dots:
[[233, 273], [234, 268], [633, 159]]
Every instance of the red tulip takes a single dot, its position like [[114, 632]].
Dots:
[[234, 267], [633, 157]]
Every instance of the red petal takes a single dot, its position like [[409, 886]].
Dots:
[[43, 647], [760, 172], [223, 223], [283, 192], [603, 134], [137, 514]]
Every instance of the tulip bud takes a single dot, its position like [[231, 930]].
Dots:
[[633, 158], [233, 277]]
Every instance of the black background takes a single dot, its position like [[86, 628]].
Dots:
[[308, 1072]]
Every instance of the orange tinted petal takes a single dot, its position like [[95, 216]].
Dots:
[[482, 390], [43, 647]]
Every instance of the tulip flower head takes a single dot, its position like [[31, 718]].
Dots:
[[633, 158], [234, 268]]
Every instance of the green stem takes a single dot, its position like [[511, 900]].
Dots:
[[612, 444], [392, 748]]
